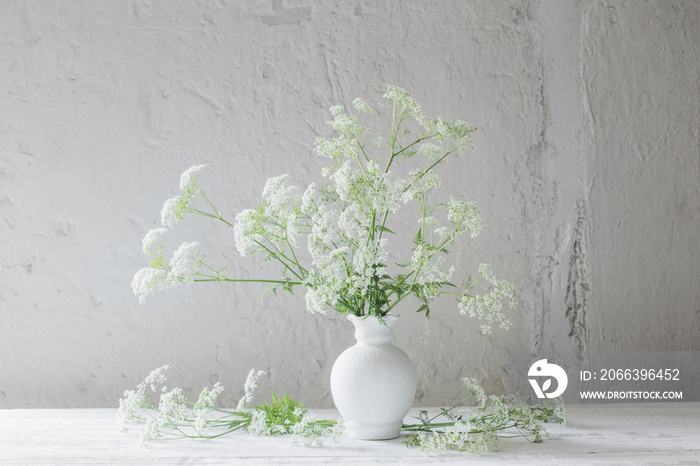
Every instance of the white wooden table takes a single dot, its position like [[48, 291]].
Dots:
[[642, 433]]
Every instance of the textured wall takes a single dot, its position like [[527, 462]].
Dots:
[[587, 170]]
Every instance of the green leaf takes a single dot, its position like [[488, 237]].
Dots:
[[383, 228], [424, 308], [418, 240]]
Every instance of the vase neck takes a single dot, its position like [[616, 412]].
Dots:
[[369, 330]]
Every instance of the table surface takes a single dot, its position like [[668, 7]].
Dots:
[[640, 433]]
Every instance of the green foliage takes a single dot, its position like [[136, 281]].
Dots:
[[282, 413]]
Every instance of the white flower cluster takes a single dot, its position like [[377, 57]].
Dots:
[[251, 383], [274, 223], [188, 179], [152, 241], [309, 432], [204, 405], [420, 184], [183, 266], [148, 281], [160, 275], [178, 207], [260, 425], [457, 437], [488, 308], [465, 216], [133, 402]]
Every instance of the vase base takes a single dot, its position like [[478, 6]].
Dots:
[[367, 431]]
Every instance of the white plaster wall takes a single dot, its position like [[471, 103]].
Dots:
[[587, 170]]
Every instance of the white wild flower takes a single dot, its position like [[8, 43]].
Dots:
[[488, 307], [151, 242], [148, 281], [316, 300], [465, 214], [251, 384], [171, 213], [189, 178], [430, 150], [171, 408], [310, 432], [156, 377], [259, 424], [147, 433], [477, 391], [307, 199], [277, 193], [208, 396], [245, 231], [361, 106], [183, 265]]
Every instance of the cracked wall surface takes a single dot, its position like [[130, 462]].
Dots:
[[586, 169]]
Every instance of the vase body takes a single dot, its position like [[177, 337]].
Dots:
[[373, 382]]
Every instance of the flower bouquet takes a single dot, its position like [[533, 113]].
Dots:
[[333, 239], [346, 223]]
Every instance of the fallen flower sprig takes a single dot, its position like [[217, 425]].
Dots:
[[455, 428], [480, 431], [176, 417]]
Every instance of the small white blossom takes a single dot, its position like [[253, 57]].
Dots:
[[316, 300], [353, 221], [250, 385], [477, 391], [346, 181], [156, 377], [488, 307], [171, 212], [171, 408], [245, 231], [307, 198], [430, 150], [369, 255], [310, 433], [277, 192], [146, 434], [130, 407], [151, 242], [466, 215], [329, 148], [183, 265], [258, 424], [148, 281], [361, 106], [403, 97], [189, 178], [208, 396], [420, 184]]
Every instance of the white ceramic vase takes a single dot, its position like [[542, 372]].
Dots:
[[373, 382]]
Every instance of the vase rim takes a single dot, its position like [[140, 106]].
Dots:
[[391, 317]]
